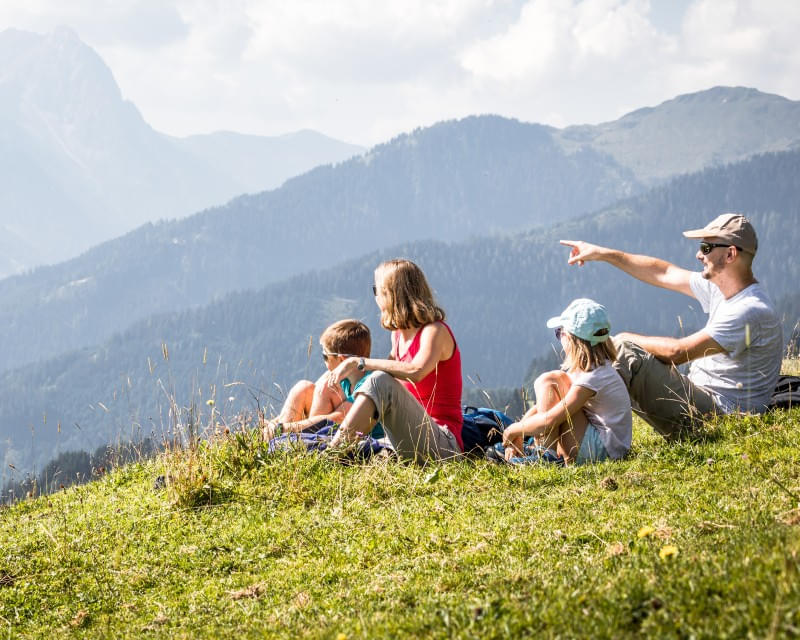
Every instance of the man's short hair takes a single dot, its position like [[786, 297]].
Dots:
[[350, 337]]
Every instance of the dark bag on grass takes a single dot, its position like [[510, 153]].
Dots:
[[482, 428], [786, 394]]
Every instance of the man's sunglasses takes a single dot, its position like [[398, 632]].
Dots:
[[708, 247], [374, 290], [559, 332]]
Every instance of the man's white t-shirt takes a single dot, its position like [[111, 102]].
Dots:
[[748, 328], [609, 409]]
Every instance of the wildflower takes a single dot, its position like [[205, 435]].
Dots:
[[341, 636], [210, 402], [668, 551], [645, 531]]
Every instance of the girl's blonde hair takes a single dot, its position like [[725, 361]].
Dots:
[[582, 356], [409, 299]]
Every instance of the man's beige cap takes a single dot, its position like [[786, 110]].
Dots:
[[729, 227]]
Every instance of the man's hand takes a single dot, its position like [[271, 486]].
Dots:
[[581, 251]]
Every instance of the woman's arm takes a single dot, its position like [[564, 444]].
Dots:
[[435, 344], [539, 424]]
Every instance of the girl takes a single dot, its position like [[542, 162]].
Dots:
[[583, 412], [416, 392]]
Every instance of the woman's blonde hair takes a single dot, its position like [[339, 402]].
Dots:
[[582, 356], [409, 299]]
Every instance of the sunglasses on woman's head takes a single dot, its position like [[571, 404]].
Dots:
[[708, 247]]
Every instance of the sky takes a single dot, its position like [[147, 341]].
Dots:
[[365, 71]]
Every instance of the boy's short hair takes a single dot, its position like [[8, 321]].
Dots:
[[350, 337]]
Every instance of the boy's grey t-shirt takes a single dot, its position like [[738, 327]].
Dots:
[[609, 409], [748, 328]]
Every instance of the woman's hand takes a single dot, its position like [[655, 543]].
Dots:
[[344, 369]]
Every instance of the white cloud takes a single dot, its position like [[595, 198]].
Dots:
[[364, 71], [142, 23], [565, 61], [557, 37]]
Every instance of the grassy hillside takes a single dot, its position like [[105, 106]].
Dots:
[[699, 539]]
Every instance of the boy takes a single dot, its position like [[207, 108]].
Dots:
[[310, 403]]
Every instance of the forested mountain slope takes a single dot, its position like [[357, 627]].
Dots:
[[498, 292], [448, 182]]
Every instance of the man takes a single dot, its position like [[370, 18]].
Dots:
[[736, 357]]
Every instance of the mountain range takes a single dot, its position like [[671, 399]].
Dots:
[[451, 181], [498, 292], [227, 303], [79, 165]]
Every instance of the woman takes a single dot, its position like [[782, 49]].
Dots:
[[416, 393]]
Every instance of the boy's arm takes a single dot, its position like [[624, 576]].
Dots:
[[327, 404], [337, 415]]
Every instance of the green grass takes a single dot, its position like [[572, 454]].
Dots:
[[301, 546]]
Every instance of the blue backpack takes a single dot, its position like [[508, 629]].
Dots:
[[482, 428]]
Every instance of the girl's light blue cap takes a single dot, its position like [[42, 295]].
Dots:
[[585, 319]]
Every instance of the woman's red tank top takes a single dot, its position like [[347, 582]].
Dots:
[[440, 391]]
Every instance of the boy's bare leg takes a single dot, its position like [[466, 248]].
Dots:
[[297, 405]]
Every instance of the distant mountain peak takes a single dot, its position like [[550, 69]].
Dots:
[[63, 34], [56, 72], [725, 93], [82, 165], [693, 131]]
